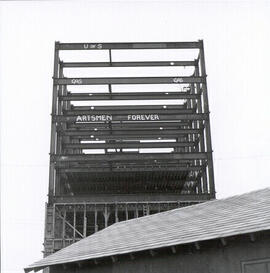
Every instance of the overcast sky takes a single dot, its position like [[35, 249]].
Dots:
[[236, 37]]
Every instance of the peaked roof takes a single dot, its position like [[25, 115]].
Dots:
[[236, 215]]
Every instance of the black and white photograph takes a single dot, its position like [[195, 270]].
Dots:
[[135, 136]]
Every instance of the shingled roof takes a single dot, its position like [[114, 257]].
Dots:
[[236, 215]]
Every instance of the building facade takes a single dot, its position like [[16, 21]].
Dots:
[[220, 236], [241, 255]]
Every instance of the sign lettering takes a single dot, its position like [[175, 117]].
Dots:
[[177, 80], [143, 117], [76, 81], [93, 118], [92, 46], [105, 117]]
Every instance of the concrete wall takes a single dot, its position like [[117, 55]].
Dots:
[[211, 258]]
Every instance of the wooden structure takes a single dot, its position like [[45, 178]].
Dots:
[[125, 145], [221, 236]]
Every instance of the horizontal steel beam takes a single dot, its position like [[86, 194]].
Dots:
[[129, 96], [147, 45], [128, 80], [141, 170], [127, 64], [130, 198], [123, 133], [89, 180], [127, 157], [131, 165], [143, 165], [132, 125], [120, 145], [130, 112], [127, 137], [100, 205], [129, 107], [129, 131], [105, 118]]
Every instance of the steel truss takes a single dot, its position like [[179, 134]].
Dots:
[[136, 152]]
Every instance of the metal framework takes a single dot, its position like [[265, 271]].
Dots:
[[139, 146]]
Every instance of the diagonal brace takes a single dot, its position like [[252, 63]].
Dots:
[[59, 214]]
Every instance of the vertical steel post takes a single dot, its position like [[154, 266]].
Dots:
[[53, 129], [116, 213], [201, 137], [74, 224], [136, 211], [46, 231], [105, 214], [96, 225], [64, 227], [207, 124], [196, 146], [84, 221], [58, 136], [53, 227], [126, 210]]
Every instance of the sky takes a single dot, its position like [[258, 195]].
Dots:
[[236, 39]]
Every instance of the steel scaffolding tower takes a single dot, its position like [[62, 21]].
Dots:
[[124, 146]]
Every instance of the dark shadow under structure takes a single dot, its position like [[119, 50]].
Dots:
[[125, 146]]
